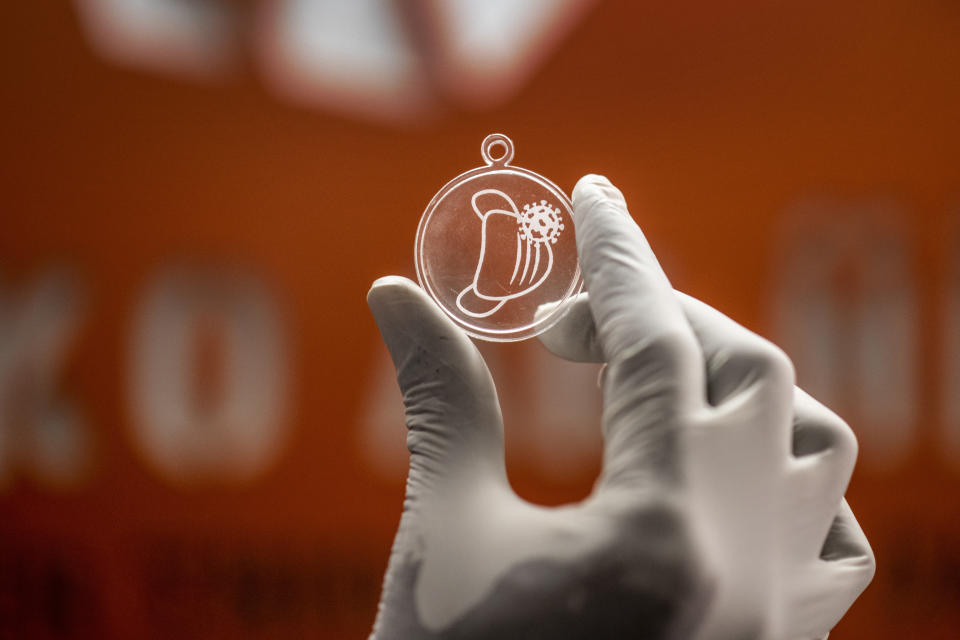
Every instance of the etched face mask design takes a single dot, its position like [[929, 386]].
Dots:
[[496, 248], [532, 231]]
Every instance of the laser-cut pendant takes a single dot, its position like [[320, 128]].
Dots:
[[496, 249]]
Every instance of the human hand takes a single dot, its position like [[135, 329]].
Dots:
[[712, 516]]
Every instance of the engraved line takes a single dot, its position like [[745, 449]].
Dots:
[[526, 262], [516, 266], [536, 263]]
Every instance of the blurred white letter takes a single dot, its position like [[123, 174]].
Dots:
[[196, 37], [208, 388], [40, 431]]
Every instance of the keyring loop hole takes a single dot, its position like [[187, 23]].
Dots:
[[497, 149]]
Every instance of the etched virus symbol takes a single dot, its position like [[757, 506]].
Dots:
[[540, 223]]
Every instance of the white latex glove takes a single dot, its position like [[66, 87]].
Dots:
[[712, 516]]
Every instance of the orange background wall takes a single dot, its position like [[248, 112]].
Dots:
[[714, 118]]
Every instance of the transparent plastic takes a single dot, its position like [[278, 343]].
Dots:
[[496, 249]]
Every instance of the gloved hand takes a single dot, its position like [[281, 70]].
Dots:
[[719, 512]]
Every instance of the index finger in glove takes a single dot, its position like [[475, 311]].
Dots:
[[655, 371]]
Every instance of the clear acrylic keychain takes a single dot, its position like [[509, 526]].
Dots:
[[495, 245]]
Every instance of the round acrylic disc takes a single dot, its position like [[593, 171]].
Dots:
[[496, 249]]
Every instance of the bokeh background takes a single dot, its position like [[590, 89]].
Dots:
[[199, 434]]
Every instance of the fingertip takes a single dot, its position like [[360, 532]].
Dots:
[[592, 181], [385, 284], [392, 298], [593, 189], [600, 215], [574, 336], [545, 310], [398, 306]]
